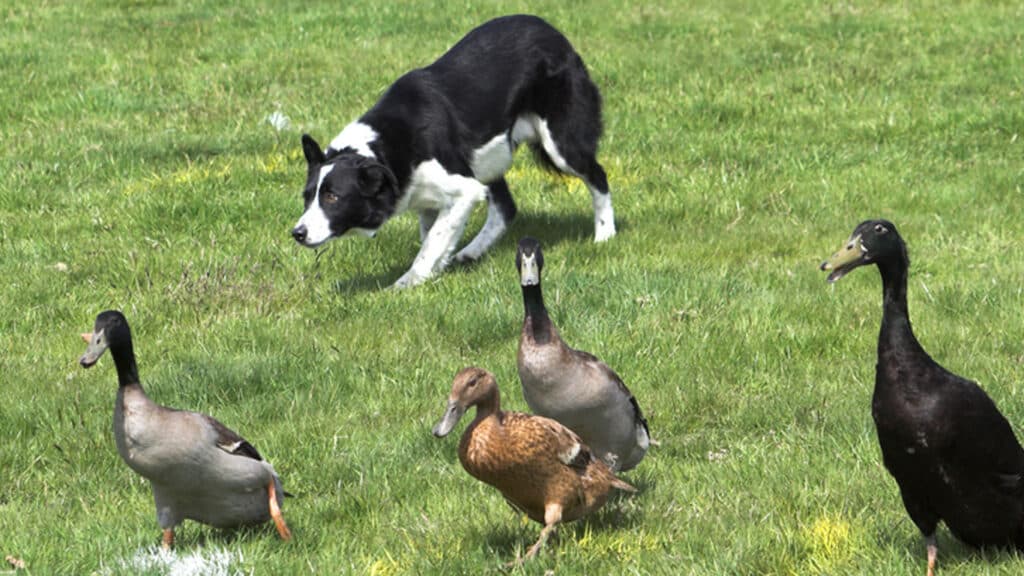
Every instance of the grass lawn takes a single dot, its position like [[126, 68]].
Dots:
[[743, 141]]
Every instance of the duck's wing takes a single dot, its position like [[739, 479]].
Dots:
[[538, 440], [983, 443], [611, 375], [544, 440], [229, 441]]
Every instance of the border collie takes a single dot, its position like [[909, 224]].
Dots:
[[441, 138]]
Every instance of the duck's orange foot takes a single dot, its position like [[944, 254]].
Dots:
[[275, 513]]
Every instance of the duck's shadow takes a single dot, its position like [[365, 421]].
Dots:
[[223, 537], [905, 536], [550, 230]]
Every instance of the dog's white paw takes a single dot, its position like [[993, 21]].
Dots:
[[408, 280], [604, 231]]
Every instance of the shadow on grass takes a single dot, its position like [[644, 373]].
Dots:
[[554, 229], [550, 230], [370, 283], [194, 535], [952, 552], [514, 538]]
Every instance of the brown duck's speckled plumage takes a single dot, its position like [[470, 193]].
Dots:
[[522, 456], [539, 465]]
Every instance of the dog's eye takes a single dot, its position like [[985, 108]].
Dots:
[[881, 229], [330, 197]]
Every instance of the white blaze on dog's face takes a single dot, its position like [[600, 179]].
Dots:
[[346, 194]]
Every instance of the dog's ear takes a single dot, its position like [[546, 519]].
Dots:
[[314, 155], [375, 179]]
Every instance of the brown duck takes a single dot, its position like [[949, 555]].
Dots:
[[540, 466]]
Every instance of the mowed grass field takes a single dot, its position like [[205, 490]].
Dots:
[[743, 142]]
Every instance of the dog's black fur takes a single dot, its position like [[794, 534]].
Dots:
[[509, 70]]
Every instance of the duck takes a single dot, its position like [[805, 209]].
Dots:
[[541, 467], [198, 468], [951, 451], [572, 386]]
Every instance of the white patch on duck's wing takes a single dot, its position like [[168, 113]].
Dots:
[[231, 442], [570, 454], [643, 432], [571, 450]]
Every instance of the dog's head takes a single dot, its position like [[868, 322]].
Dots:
[[346, 193]]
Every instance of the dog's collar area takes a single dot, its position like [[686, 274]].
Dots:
[[332, 156]]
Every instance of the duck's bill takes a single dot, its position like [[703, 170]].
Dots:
[[452, 414], [850, 256], [97, 345]]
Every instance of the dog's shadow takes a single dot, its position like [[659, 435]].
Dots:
[[551, 230]]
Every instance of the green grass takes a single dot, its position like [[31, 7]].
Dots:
[[744, 140]]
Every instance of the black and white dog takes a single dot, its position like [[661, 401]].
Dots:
[[442, 137]]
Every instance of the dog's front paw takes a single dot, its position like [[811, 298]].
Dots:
[[408, 280]]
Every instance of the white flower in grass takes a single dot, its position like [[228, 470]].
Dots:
[[278, 120], [201, 562], [718, 455]]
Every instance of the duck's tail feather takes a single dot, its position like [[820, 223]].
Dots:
[[622, 485]]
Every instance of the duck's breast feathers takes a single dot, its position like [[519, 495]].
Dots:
[[229, 441]]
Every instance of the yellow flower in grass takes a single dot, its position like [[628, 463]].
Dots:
[[530, 172], [281, 161], [384, 567], [830, 544], [190, 175]]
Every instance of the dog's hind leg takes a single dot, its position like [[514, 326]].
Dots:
[[501, 209], [601, 198], [568, 130], [558, 146]]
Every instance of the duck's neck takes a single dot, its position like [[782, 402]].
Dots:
[[488, 406], [896, 335], [124, 359], [536, 321]]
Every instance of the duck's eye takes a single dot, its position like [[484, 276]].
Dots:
[[330, 197], [881, 229]]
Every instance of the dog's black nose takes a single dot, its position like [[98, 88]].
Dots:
[[299, 233]]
